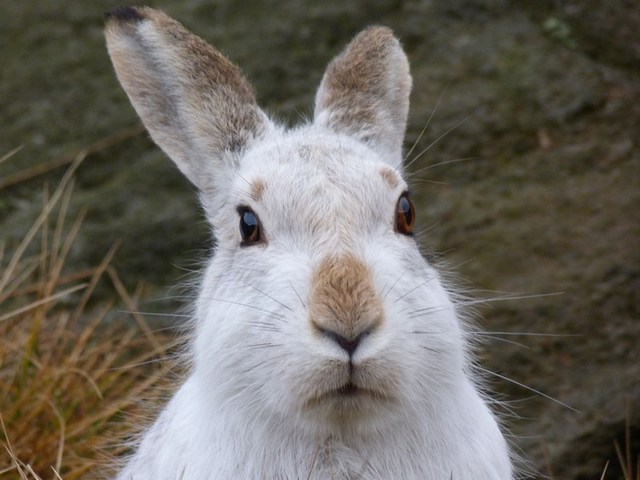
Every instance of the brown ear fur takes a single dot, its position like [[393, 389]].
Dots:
[[195, 103], [365, 92]]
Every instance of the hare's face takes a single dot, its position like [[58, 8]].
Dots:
[[332, 314], [317, 305]]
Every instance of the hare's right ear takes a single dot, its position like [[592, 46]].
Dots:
[[365, 92], [196, 104]]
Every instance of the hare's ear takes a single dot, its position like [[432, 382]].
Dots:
[[365, 92], [196, 104]]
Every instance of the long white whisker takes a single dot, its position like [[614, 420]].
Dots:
[[270, 297], [385, 294], [248, 305], [423, 332], [447, 132], [445, 162], [421, 284], [297, 295], [140, 364], [421, 181], [154, 314], [529, 334], [426, 311], [504, 340], [424, 129], [267, 361], [428, 229], [526, 387], [263, 345], [506, 298], [264, 326]]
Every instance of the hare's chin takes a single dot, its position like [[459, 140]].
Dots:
[[350, 399]]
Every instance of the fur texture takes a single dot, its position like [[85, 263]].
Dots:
[[329, 349]]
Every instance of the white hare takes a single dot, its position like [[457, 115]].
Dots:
[[325, 346]]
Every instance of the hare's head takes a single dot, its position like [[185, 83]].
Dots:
[[317, 307]]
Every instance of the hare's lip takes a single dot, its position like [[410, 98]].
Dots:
[[348, 391]]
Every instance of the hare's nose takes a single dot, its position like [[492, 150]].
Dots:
[[349, 345]]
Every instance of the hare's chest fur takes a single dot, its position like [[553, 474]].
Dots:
[[187, 442]]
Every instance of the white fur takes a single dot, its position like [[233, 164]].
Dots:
[[243, 413]]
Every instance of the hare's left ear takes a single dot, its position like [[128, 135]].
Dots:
[[365, 93], [197, 105]]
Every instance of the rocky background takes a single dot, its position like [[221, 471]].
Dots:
[[530, 186]]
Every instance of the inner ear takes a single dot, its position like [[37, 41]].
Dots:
[[365, 93]]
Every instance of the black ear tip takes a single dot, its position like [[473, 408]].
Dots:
[[124, 14]]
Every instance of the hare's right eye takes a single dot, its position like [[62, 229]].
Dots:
[[249, 227], [405, 215]]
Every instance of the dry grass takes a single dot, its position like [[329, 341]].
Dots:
[[70, 382]]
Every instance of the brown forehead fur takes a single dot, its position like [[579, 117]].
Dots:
[[390, 177], [257, 189], [343, 298]]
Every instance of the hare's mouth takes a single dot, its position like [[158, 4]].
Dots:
[[350, 390], [349, 393]]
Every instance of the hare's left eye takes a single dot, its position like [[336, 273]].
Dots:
[[405, 215], [249, 226]]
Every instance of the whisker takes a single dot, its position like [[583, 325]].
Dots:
[[421, 284], [259, 364], [264, 345], [420, 181], [447, 132], [422, 332], [428, 229], [424, 129], [384, 294], [297, 295], [187, 270], [506, 298], [504, 340], [154, 314], [169, 298], [244, 179], [264, 326], [270, 297], [431, 349], [426, 311], [526, 387], [529, 334], [445, 162], [141, 364], [248, 305]]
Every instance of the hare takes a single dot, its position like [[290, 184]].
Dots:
[[324, 345]]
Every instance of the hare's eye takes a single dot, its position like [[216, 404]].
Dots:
[[249, 226], [405, 215]]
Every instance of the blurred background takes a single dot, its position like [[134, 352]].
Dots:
[[527, 178]]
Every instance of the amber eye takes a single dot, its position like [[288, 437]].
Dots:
[[405, 215], [249, 226]]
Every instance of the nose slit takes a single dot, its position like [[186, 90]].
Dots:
[[349, 345]]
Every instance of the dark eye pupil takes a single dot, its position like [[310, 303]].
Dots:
[[405, 209], [249, 227], [405, 215]]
